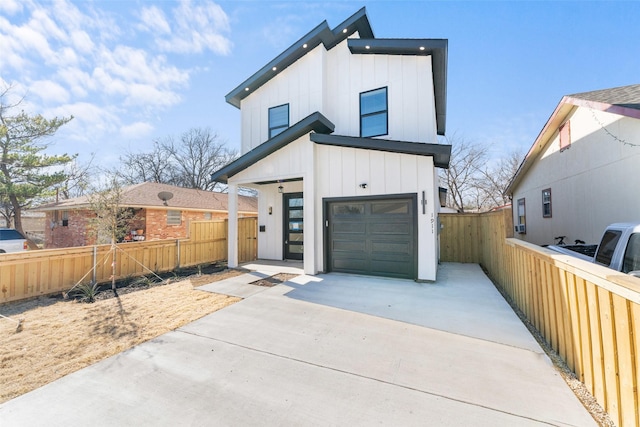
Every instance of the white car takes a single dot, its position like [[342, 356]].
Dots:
[[12, 241]]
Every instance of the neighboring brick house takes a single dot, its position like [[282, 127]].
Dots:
[[68, 222]]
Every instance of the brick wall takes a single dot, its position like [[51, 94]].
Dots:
[[153, 222], [158, 229], [76, 233]]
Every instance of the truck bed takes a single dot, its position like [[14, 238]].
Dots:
[[585, 252]]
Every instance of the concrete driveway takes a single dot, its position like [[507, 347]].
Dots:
[[325, 350]]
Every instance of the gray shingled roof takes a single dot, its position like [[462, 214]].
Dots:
[[145, 195], [624, 96]]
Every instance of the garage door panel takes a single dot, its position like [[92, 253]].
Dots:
[[374, 237], [401, 228], [391, 248], [349, 227], [349, 246]]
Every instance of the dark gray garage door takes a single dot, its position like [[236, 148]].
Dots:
[[372, 236]]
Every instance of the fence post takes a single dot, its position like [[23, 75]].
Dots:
[[178, 253], [95, 261]]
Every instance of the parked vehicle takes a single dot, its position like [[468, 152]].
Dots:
[[619, 249], [12, 240]]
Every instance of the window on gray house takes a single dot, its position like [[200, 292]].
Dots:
[[174, 217], [278, 119], [374, 113], [546, 203], [565, 136]]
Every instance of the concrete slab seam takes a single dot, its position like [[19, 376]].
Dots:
[[366, 377]]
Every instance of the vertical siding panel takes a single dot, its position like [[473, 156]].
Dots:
[[624, 352], [596, 344], [610, 359], [575, 364], [634, 319]]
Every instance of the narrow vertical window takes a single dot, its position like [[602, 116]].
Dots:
[[521, 225], [278, 119], [65, 218], [565, 136], [546, 203], [374, 113]]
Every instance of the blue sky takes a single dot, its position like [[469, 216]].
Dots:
[[135, 71]]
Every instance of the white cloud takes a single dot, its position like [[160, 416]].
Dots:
[[197, 27], [11, 6], [49, 92], [137, 130], [154, 21]]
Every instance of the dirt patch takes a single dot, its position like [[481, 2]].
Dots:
[[61, 336], [273, 280]]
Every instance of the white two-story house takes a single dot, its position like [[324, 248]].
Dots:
[[339, 138]]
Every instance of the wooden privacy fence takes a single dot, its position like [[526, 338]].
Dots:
[[33, 273], [587, 313]]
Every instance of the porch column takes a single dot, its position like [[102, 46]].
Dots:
[[232, 233]]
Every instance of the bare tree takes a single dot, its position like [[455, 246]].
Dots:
[[187, 162], [154, 166], [462, 176], [77, 179], [112, 219], [196, 156], [494, 179]]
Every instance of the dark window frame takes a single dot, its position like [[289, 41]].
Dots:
[[545, 213], [276, 130], [524, 211], [375, 113]]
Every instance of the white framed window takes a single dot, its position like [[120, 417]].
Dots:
[[520, 226], [174, 217], [65, 218], [374, 114], [278, 119], [546, 203]]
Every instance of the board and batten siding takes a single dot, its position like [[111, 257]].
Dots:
[[300, 86], [410, 92], [341, 170], [591, 182], [331, 82]]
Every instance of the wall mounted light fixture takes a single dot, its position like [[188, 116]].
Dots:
[[270, 210], [280, 188], [363, 185]]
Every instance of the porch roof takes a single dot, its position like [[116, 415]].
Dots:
[[441, 153], [315, 122]]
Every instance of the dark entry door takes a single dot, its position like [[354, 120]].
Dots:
[[372, 236], [293, 226]]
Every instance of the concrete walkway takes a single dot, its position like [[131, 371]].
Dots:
[[325, 350]]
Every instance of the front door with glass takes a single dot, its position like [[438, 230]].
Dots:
[[293, 226]]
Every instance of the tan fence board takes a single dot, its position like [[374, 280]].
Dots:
[[588, 313]]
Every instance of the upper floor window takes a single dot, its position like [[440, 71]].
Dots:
[[546, 203], [374, 113], [278, 119], [565, 136]]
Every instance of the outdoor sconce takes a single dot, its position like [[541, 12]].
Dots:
[[363, 185], [270, 210], [280, 188]]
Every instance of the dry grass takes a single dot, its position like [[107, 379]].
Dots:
[[59, 337]]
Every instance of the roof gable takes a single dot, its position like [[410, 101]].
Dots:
[[366, 44], [358, 22], [623, 100]]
